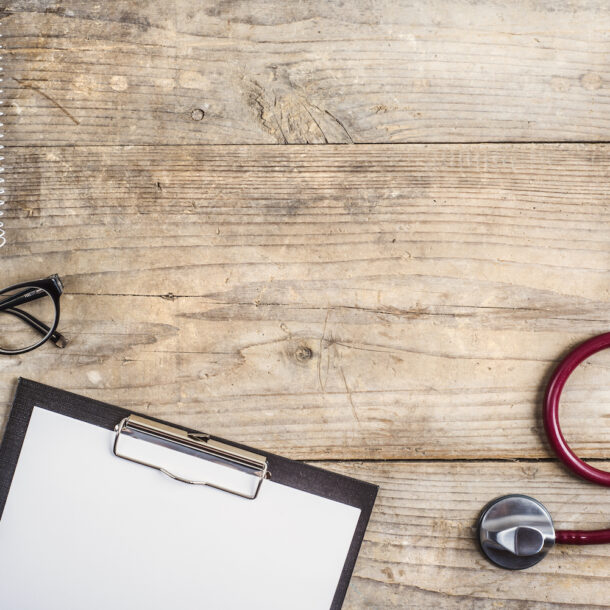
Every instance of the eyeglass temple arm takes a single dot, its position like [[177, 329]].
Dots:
[[56, 337], [24, 296]]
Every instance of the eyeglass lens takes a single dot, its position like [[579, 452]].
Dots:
[[27, 316]]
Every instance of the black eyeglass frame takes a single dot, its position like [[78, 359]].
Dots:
[[51, 286]]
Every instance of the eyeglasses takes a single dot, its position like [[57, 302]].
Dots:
[[29, 315]]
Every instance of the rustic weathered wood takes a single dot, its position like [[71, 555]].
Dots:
[[419, 550], [329, 302], [176, 71], [333, 302]]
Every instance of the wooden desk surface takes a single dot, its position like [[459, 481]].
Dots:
[[386, 296]]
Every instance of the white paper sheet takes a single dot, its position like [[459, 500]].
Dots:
[[85, 530]]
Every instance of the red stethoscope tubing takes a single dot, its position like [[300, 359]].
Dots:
[[558, 442]]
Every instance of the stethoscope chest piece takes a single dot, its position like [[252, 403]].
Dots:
[[515, 532]]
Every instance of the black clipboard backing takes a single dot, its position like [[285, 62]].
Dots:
[[287, 472]]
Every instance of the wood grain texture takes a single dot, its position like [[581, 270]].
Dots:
[[339, 302], [419, 550], [307, 72], [333, 303]]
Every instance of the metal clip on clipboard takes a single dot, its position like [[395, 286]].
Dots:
[[193, 444]]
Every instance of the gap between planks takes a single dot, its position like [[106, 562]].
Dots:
[[322, 145]]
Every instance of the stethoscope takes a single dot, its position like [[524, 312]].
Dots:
[[516, 531]]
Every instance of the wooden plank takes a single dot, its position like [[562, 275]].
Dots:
[[420, 549], [313, 72], [331, 302]]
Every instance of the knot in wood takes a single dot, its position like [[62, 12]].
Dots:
[[303, 353]]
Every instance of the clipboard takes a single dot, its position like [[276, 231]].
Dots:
[[250, 490]]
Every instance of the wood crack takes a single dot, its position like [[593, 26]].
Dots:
[[48, 97]]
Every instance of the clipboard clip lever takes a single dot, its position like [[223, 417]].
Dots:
[[191, 443]]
